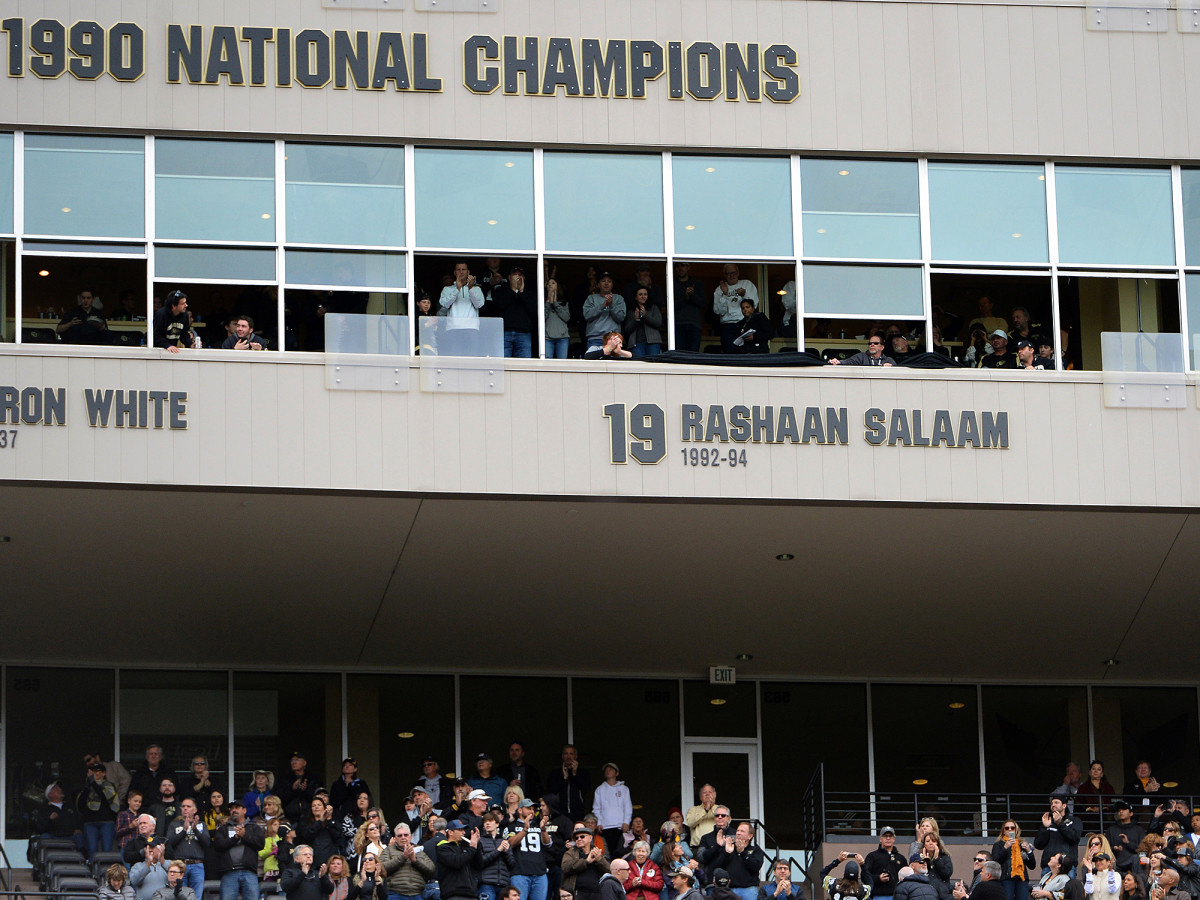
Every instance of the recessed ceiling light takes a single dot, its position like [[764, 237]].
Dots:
[[717, 701], [44, 272], [1016, 234], [404, 734], [781, 292], [1041, 178], [785, 557], [920, 781], [1170, 784], [820, 231], [957, 704], [710, 169], [66, 209], [265, 216], [689, 228], [744, 657], [509, 165], [844, 172], [493, 222]]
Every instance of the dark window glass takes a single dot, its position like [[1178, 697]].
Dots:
[[1029, 736], [497, 710], [54, 716], [394, 722], [734, 714], [803, 726], [277, 714], [1154, 724], [645, 748]]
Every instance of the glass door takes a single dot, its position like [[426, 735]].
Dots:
[[731, 768]]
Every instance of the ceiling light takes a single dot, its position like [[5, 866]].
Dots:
[[66, 209], [957, 704], [265, 216], [1041, 178], [404, 734], [710, 169], [920, 781], [1016, 234], [689, 227], [1170, 784], [785, 557], [1111, 661], [509, 165], [844, 172], [744, 657], [781, 292], [820, 231], [717, 701], [493, 222], [44, 272]]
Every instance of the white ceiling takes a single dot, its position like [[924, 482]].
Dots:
[[152, 576]]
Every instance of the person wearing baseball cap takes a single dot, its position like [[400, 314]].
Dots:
[[459, 860], [345, 790], [851, 884], [486, 779], [1000, 357], [884, 864], [683, 880]]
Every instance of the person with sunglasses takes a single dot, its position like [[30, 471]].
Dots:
[[1179, 855], [872, 356], [1015, 858], [885, 862], [713, 842]]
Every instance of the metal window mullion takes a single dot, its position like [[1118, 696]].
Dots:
[[280, 240], [19, 229], [229, 724], [983, 806], [668, 192], [410, 227], [151, 232], [346, 719], [871, 761], [458, 724], [798, 250], [926, 247], [1181, 259], [539, 245], [1091, 725], [116, 714], [1052, 241], [570, 710]]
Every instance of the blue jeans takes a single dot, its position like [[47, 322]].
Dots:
[[556, 348], [746, 893], [241, 881], [646, 349], [518, 344], [1015, 889], [433, 891], [729, 331], [392, 896], [194, 877], [594, 340], [687, 337], [98, 836], [487, 892], [531, 887]]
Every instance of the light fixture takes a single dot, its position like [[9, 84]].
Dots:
[[781, 292], [717, 701], [1111, 661], [404, 734], [509, 165], [689, 227], [1041, 178], [844, 172], [1170, 784], [710, 169], [785, 557], [920, 781], [44, 272], [957, 704], [1016, 234], [820, 231], [493, 222], [744, 657], [265, 216], [637, 806], [66, 209]]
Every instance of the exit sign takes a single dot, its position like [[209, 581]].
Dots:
[[722, 675]]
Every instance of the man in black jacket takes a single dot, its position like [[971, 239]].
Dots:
[[345, 790], [918, 885], [1060, 831], [520, 773], [458, 863], [237, 843], [187, 841], [987, 888], [302, 880], [572, 785], [296, 789], [518, 308], [885, 864], [742, 859], [712, 842], [612, 882], [147, 777]]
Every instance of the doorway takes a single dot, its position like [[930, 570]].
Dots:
[[730, 767]]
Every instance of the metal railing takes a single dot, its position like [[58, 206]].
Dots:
[[829, 814]]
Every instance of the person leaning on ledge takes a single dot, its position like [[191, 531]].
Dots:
[[243, 337], [611, 348], [872, 357]]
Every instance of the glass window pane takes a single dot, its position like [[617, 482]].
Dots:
[[1155, 724], [277, 714], [860, 208], [604, 201], [1192, 283], [81, 701], [799, 724], [735, 715], [345, 195], [980, 212], [228, 263], [350, 268], [732, 207], [1029, 735], [393, 722], [862, 291], [480, 199], [490, 727], [1114, 216], [214, 190], [6, 183], [1191, 215], [653, 776], [80, 247], [186, 713], [86, 186]]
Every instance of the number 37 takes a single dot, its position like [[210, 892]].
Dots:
[[642, 434]]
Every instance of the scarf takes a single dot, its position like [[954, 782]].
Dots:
[[1017, 865]]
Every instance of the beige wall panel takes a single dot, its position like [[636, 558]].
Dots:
[[1072, 81], [1038, 464], [848, 86], [1048, 79], [1116, 458], [1123, 94], [81, 460], [1101, 120], [923, 71], [820, 87], [1141, 456], [797, 124], [948, 71], [550, 427], [973, 78], [182, 457], [1168, 489], [422, 466], [289, 415], [937, 469], [474, 443], [1174, 103], [873, 75], [505, 419], [1025, 87], [864, 479], [1064, 439], [1000, 110], [1090, 432], [964, 469], [898, 84]]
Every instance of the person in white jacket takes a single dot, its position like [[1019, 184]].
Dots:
[[1102, 882], [613, 809]]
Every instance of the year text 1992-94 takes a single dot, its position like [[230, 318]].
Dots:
[[706, 457]]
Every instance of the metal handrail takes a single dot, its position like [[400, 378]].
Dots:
[[6, 872]]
